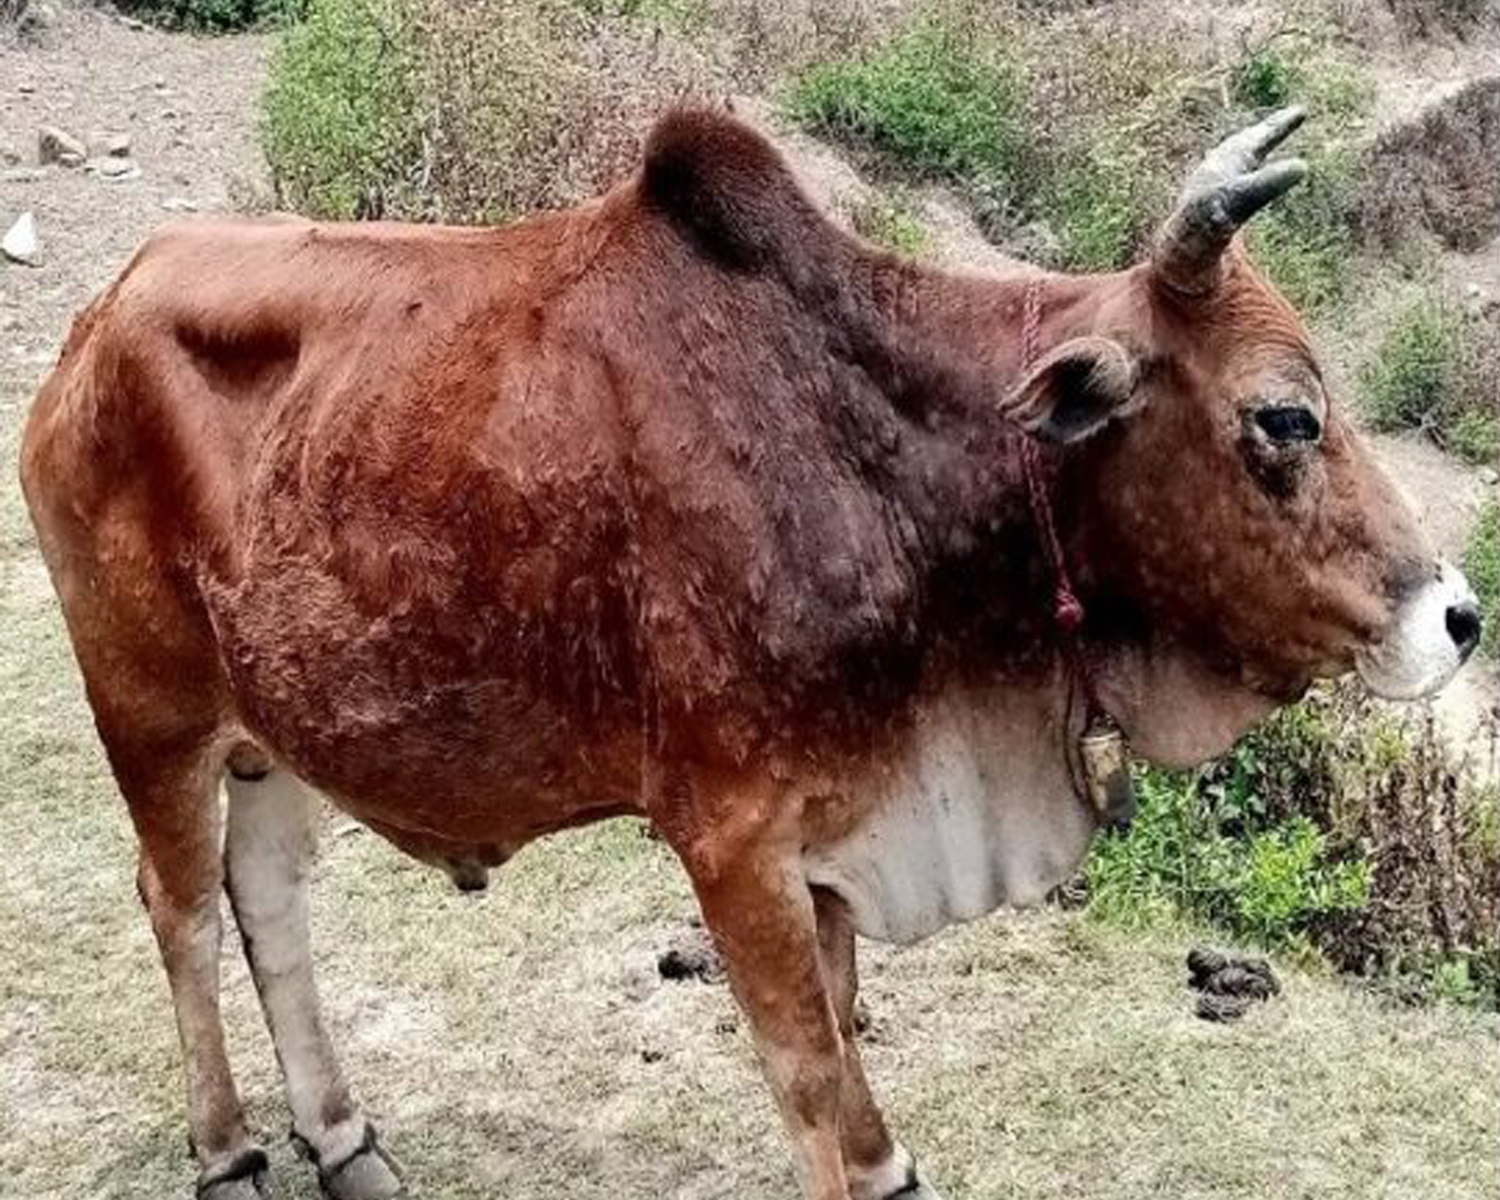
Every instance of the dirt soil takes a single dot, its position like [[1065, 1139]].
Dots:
[[521, 1041]]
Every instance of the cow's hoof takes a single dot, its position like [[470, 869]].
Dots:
[[240, 1177], [918, 1189], [911, 1186], [366, 1173]]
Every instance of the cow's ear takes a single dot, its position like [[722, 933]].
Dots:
[[1075, 390]]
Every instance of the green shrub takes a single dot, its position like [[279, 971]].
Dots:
[[1406, 384], [1339, 91], [1265, 78], [1482, 566], [1095, 207], [1298, 70], [219, 16], [936, 98], [340, 128], [426, 110], [1305, 242], [1338, 829], [1471, 425], [1437, 370], [490, 109], [1089, 133], [958, 99], [1475, 436], [1191, 852]]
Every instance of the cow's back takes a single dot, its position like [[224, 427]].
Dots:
[[274, 435]]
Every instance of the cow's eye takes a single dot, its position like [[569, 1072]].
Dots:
[[1288, 424]]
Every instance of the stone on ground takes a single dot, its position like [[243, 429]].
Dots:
[[117, 168], [55, 145], [20, 243], [105, 143]]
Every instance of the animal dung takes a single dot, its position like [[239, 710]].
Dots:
[[691, 956], [1228, 986]]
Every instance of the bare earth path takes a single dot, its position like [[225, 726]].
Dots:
[[520, 1044]]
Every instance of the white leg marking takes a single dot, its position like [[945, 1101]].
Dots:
[[268, 853], [892, 1180]]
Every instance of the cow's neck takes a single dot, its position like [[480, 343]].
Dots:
[[969, 807], [946, 350], [951, 346]]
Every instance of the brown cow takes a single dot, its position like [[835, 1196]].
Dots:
[[686, 504]]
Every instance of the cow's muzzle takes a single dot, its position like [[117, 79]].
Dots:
[[1436, 628]]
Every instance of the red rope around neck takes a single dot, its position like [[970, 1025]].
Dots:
[[1068, 609]]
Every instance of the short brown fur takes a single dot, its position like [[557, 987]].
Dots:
[[678, 504]]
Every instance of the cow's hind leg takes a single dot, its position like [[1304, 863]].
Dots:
[[877, 1166], [268, 853], [174, 805]]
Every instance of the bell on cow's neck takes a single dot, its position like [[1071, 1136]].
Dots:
[[1106, 770]]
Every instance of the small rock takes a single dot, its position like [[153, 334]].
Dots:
[[651, 1055], [35, 18], [132, 23], [179, 204], [21, 244], [9, 156], [26, 89], [1489, 476], [103, 143], [117, 170], [59, 146], [159, 83], [863, 1022]]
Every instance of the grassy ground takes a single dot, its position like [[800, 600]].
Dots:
[[1482, 563], [504, 1041]]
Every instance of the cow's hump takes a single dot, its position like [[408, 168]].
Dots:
[[727, 187]]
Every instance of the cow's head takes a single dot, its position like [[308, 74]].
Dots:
[[1237, 531]]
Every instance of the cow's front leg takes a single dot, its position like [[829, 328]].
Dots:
[[268, 854], [760, 912], [878, 1167]]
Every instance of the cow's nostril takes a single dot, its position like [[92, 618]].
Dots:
[[1465, 627]]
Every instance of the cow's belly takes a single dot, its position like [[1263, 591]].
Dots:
[[973, 811]]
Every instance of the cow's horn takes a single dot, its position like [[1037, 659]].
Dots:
[[1230, 186]]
